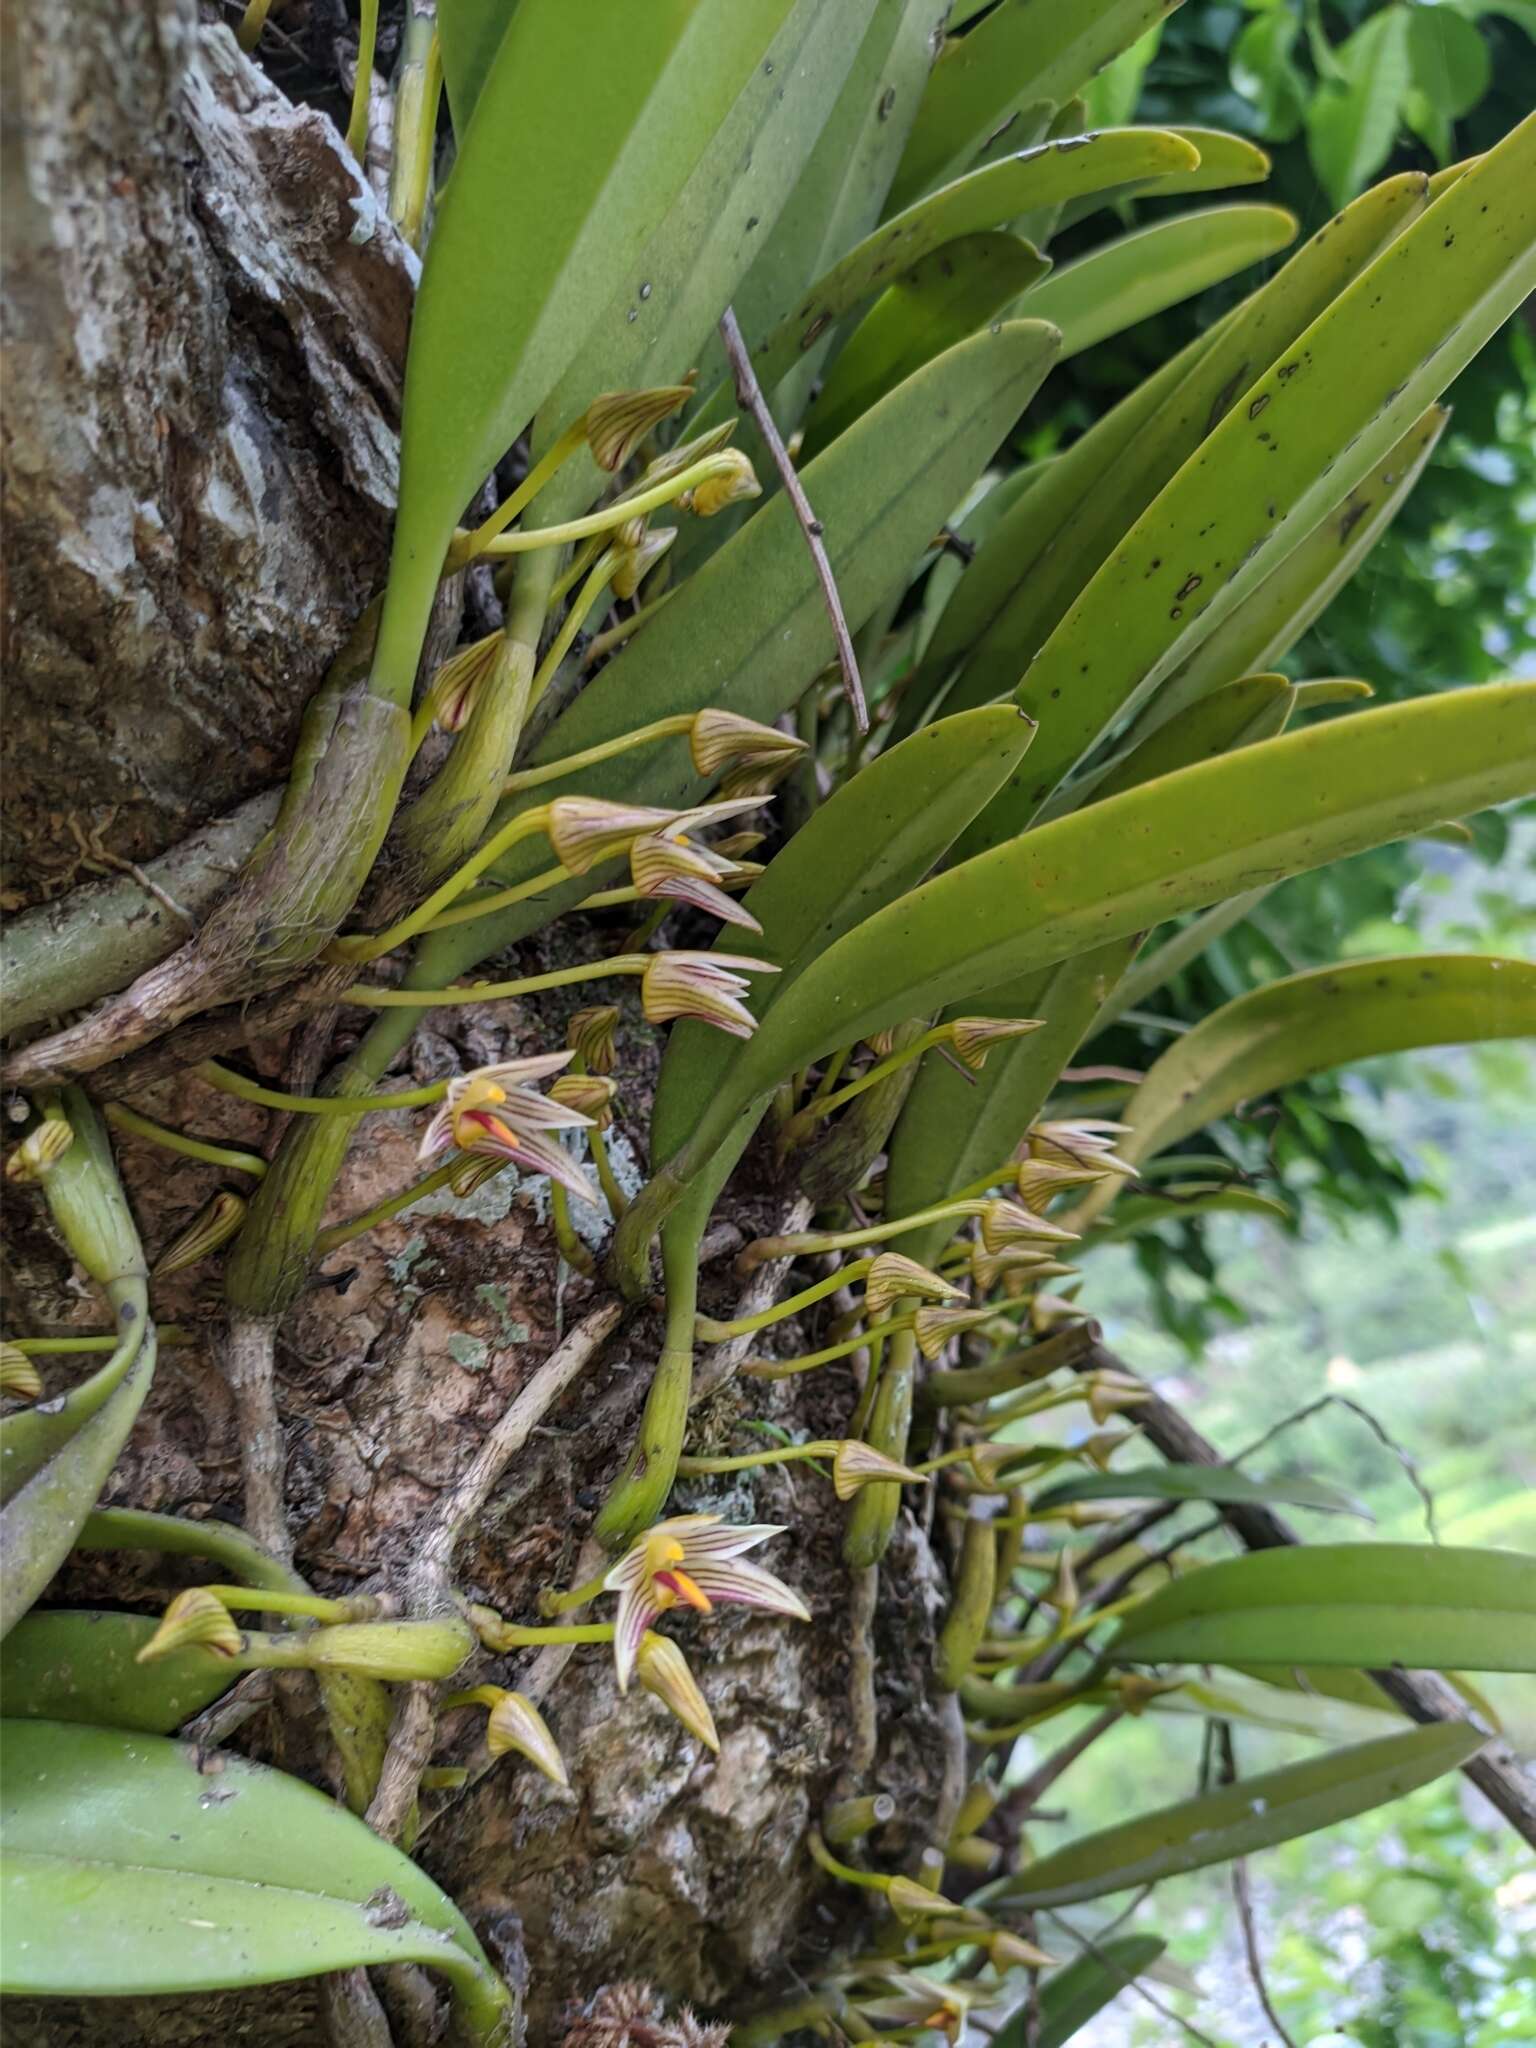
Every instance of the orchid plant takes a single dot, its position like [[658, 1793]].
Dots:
[[1014, 739]]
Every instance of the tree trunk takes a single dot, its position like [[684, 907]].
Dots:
[[205, 321]]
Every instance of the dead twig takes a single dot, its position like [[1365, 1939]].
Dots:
[[749, 395], [1243, 1896]]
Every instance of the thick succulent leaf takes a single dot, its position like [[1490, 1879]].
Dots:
[[1020, 54], [1071, 1997], [1187, 840], [750, 629], [1271, 619], [1366, 1605], [1307, 1023], [1135, 1215], [204, 1873], [1137, 275], [1255, 1813], [1220, 1483], [992, 198], [1250, 709], [1309, 429], [1019, 590], [938, 302], [841, 187], [666, 295], [1155, 968], [74, 1665], [39, 1520], [1288, 1709], [1225, 160], [469, 32], [510, 289]]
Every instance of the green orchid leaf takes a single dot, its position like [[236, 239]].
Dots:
[[1140, 274], [68, 1665], [1021, 53], [1071, 1997], [667, 293], [1255, 1813], [469, 32], [511, 290], [357, 1709], [206, 1872], [839, 192], [1047, 175], [1367, 1605], [1252, 708], [1308, 430], [941, 300], [1288, 1709], [750, 627], [1271, 619], [1225, 160], [1134, 1215], [1023, 583], [1217, 1483], [1186, 840], [1307, 1023], [1156, 968]]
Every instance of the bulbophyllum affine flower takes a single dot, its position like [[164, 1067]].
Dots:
[[692, 1561], [701, 985], [587, 830], [669, 864], [917, 2001], [495, 1110], [1084, 1141], [19, 1377], [1006, 1223], [40, 1151]]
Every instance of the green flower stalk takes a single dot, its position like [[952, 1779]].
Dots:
[[213, 1226], [909, 1901], [854, 1463], [121, 1118], [874, 1512], [971, 1037]]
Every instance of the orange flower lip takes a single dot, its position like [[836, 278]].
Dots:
[[681, 1587]]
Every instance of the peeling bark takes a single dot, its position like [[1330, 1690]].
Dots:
[[205, 319]]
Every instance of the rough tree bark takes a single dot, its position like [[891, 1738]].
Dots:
[[205, 318]]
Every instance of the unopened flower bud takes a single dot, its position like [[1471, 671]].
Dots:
[[989, 1461], [617, 422], [214, 1225], [19, 1377], [638, 558], [735, 846], [665, 864], [673, 461], [471, 1171], [724, 739], [455, 689], [910, 1901], [893, 1278], [1037, 1180], [974, 1037], [734, 480], [934, 1327], [1110, 1393], [194, 1617], [1004, 1223], [857, 1463], [590, 1033], [40, 1150], [1012, 1952], [1099, 1448], [1062, 1593], [591, 1094], [663, 1670]]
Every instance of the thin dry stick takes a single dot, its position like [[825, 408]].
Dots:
[[1243, 1896], [408, 1753], [749, 394], [453, 1516], [1129, 1983], [1423, 1696], [720, 1362], [1027, 1795]]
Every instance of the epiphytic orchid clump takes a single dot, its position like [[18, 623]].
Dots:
[[1019, 740]]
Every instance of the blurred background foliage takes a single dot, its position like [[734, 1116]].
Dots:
[[1341, 92], [1390, 1337]]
